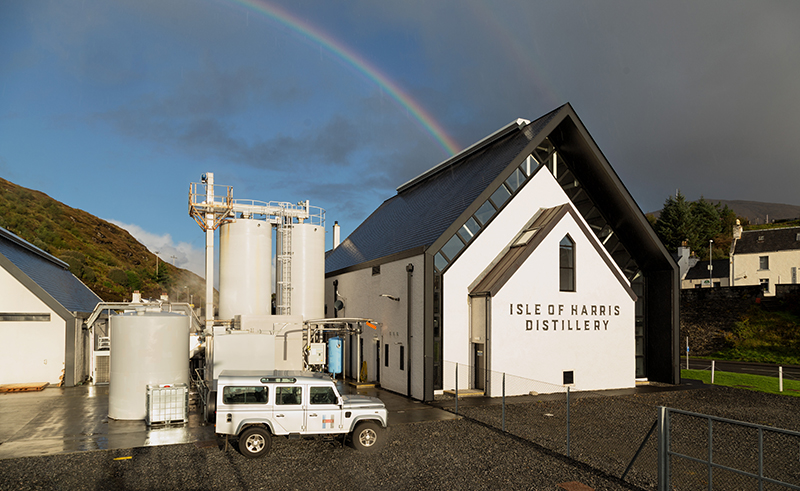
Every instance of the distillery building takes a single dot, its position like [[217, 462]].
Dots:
[[524, 255]]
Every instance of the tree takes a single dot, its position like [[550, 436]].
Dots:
[[707, 225], [696, 223], [675, 224]]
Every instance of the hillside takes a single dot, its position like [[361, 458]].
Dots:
[[104, 256], [756, 212]]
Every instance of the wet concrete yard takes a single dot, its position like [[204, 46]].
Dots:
[[75, 419]]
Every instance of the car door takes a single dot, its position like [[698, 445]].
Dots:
[[242, 404], [289, 409], [324, 411]]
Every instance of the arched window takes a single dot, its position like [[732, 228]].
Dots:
[[566, 264]]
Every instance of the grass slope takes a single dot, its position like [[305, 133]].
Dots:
[[758, 383], [105, 257]]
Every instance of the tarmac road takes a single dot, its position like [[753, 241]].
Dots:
[[767, 369]]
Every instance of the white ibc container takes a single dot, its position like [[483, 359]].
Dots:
[[245, 268], [147, 348], [308, 271]]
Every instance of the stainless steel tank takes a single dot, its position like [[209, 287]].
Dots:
[[147, 348]]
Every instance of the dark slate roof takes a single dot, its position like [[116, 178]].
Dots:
[[50, 273], [774, 239], [699, 271], [426, 206]]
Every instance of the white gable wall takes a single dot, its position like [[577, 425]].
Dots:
[[31, 351], [538, 332], [542, 191]]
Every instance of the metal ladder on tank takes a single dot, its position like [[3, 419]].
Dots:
[[284, 257]]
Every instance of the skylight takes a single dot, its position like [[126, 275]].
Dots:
[[525, 237]]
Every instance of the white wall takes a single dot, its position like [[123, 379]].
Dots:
[[609, 354], [538, 332], [542, 191], [30, 351], [361, 293], [779, 272]]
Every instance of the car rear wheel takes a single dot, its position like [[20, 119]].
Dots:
[[368, 436], [255, 442]]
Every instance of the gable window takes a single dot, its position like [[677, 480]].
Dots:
[[566, 264], [763, 262]]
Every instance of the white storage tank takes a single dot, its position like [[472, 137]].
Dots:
[[308, 271], [245, 268], [147, 348]]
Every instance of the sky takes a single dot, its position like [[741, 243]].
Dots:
[[115, 107]]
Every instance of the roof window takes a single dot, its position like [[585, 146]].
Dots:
[[761, 238], [524, 238]]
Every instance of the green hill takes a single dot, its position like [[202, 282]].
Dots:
[[104, 256]]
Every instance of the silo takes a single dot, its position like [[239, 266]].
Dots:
[[147, 348], [245, 268], [308, 270]]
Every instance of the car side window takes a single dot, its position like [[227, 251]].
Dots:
[[322, 395], [287, 396], [245, 395]]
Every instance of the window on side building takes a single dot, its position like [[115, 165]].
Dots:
[[566, 259], [763, 262], [764, 282]]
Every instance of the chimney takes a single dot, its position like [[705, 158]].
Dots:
[[336, 234], [137, 297]]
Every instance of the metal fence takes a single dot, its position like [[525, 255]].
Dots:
[[697, 451], [615, 436]]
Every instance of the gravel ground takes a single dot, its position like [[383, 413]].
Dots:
[[605, 433], [455, 454], [460, 454]]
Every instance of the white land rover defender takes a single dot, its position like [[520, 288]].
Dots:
[[253, 406]]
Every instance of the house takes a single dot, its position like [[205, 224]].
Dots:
[[42, 309], [766, 257], [699, 275], [523, 255]]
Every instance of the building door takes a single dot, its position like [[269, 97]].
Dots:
[[377, 361], [479, 363], [478, 318]]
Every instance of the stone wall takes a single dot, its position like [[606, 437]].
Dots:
[[707, 313]]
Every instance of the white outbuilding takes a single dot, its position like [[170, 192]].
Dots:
[[42, 310], [522, 261]]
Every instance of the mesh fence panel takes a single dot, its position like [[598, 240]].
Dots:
[[609, 440]]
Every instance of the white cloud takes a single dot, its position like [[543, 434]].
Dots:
[[186, 256]]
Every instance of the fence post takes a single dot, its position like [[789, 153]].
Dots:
[[456, 388], [504, 402], [662, 445], [712, 371], [568, 421], [780, 379]]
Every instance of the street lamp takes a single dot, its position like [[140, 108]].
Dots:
[[710, 266]]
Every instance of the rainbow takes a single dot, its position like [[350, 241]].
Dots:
[[361, 65]]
